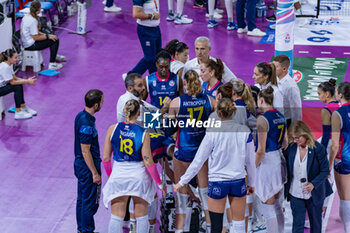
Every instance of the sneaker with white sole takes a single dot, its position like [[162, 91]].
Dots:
[[22, 115], [171, 16], [216, 15], [29, 110], [182, 20], [212, 24], [55, 66], [113, 8], [104, 2], [242, 30], [60, 58], [219, 11], [256, 32], [231, 26]]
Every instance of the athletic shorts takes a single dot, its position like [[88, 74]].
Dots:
[[234, 188], [342, 168], [185, 154]]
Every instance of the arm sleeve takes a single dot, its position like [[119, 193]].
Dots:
[[326, 135], [201, 156], [250, 161], [86, 134], [228, 74], [295, 104]]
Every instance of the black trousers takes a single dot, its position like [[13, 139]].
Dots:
[[17, 89], [43, 44]]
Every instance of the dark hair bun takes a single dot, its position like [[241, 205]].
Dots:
[[269, 90], [332, 82]]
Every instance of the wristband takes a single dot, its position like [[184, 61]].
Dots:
[[152, 17]]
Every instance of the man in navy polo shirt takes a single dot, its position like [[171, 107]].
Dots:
[[87, 164]]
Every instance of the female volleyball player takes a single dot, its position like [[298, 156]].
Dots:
[[179, 51], [211, 74]]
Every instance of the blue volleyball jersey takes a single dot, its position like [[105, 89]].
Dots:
[[344, 113], [276, 129], [159, 89], [127, 142], [211, 92], [189, 137]]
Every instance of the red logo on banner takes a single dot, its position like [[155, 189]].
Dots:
[[297, 76]]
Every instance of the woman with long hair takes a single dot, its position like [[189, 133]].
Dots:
[[33, 39], [130, 144], [189, 107], [9, 82], [341, 129], [179, 52], [211, 73]]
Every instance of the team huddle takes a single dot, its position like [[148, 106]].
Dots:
[[256, 153]]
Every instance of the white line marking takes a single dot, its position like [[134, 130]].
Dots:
[[303, 51], [346, 53], [323, 52], [259, 51]]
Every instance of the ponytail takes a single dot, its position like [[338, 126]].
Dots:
[[34, 7], [225, 90], [217, 66], [328, 86], [193, 85], [4, 56], [131, 108], [175, 46], [243, 90], [268, 69]]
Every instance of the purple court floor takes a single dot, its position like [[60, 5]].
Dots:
[[38, 191]]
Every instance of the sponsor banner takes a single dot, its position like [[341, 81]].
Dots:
[[327, 7], [328, 31], [309, 72]]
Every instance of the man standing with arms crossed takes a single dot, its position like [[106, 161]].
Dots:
[[87, 164]]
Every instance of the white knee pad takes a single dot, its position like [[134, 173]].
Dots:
[[181, 201], [268, 211], [152, 209], [203, 195]]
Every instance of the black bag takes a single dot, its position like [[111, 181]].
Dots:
[[45, 28]]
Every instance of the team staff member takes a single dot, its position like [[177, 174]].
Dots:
[[192, 105], [271, 127], [163, 83], [229, 151], [307, 186], [87, 164], [211, 74], [265, 76], [33, 39], [289, 89], [10, 83], [132, 155], [147, 14], [341, 129], [202, 49]]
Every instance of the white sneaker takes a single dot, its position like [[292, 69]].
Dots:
[[113, 8], [55, 66], [216, 15], [29, 110], [182, 20], [22, 115], [104, 2], [219, 11], [256, 32], [60, 58], [242, 30]]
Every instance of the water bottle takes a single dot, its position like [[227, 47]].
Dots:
[[303, 184]]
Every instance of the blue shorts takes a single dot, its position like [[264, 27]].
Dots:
[[185, 154], [342, 168], [234, 188]]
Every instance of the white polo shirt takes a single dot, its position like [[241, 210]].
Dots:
[[277, 96], [291, 98], [6, 73], [148, 7], [29, 27]]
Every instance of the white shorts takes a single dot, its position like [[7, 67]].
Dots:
[[269, 176], [129, 179]]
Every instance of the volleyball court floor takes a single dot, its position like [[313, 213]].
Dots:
[[38, 187]]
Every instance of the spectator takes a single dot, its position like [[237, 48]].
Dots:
[[110, 6], [33, 39], [250, 7], [10, 83], [179, 18]]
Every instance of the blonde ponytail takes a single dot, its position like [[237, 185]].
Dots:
[[131, 108], [243, 90], [193, 85]]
